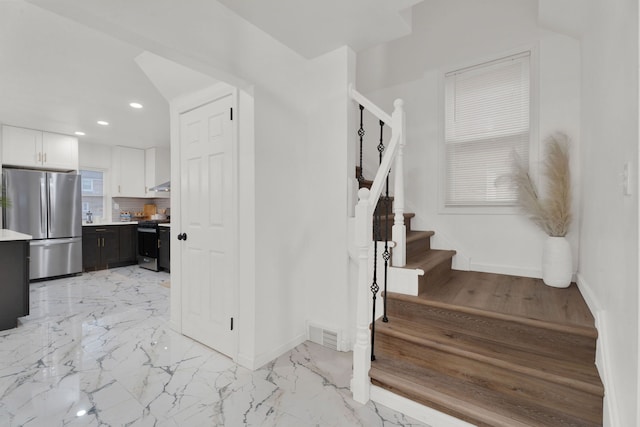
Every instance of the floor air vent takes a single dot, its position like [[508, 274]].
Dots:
[[324, 337]]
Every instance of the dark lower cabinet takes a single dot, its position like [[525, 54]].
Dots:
[[108, 246], [128, 243], [164, 249], [110, 249], [14, 285]]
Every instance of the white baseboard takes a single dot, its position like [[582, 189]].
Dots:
[[610, 412], [505, 269], [415, 410], [264, 358]]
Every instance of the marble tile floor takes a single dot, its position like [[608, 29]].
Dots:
[[96, 350]]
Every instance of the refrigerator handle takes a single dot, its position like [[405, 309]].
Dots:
[[44, 205]]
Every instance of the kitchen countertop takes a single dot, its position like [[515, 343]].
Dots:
[[95, 224], [10, 235]]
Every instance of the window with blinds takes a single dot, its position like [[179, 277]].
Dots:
[[487, 120]]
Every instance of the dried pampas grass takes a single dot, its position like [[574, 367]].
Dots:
[[553, 213]]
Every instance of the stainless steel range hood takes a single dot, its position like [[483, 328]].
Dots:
[[165, 187]]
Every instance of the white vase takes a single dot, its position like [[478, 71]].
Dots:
[[557, 263]]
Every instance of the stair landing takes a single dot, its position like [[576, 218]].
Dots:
[[512, 295]]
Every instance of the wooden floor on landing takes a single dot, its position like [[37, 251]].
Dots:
[[516, 296]]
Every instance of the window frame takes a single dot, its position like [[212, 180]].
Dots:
[[105, 188], [534, 142]]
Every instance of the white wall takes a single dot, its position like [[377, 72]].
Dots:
[[450, 33], [275, 260], [96, 156], [609, 228], [328, 166], [301, 158], [280, 238]]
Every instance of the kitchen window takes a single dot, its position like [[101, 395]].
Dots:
[[87, 185], [487, 118], [92, 193]]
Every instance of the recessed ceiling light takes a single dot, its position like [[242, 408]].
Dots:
[[103, 123], [80, 133], [135, 105]]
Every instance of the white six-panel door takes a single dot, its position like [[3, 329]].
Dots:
[[208, 273]]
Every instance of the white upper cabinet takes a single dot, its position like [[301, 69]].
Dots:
[[158, 170], [59, 151], [34, 148], [128, 172]]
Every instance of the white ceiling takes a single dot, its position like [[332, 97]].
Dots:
[[59, 74], [313, 27]]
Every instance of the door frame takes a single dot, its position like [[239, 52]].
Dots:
[[178, 106]]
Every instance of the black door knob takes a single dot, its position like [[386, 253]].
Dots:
[[182, 236]]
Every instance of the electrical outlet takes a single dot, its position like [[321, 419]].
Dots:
[[116, 206], [626, 179]]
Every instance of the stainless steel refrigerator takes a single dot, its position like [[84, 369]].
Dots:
[[48, 206]]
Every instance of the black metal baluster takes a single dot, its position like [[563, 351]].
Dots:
[[386, 255], [374, 286], [381, 144], [361, 135]]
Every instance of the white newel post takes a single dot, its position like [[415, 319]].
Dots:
[[398, 232], [360, 383]]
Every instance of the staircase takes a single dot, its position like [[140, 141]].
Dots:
[[482, 366], [490, 349]]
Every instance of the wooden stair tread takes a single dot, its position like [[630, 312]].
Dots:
[[576, 375], [407, 215], [479, 405], [428, 260], [413, 235], [584, 331]]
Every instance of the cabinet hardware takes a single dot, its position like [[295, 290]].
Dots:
[[101, 229], [232, 323], [45, 157], [119, 189], [39, 157]]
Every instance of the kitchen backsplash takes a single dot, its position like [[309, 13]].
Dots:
[[132, 205]]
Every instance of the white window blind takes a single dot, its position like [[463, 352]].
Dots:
[[487, 110]]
